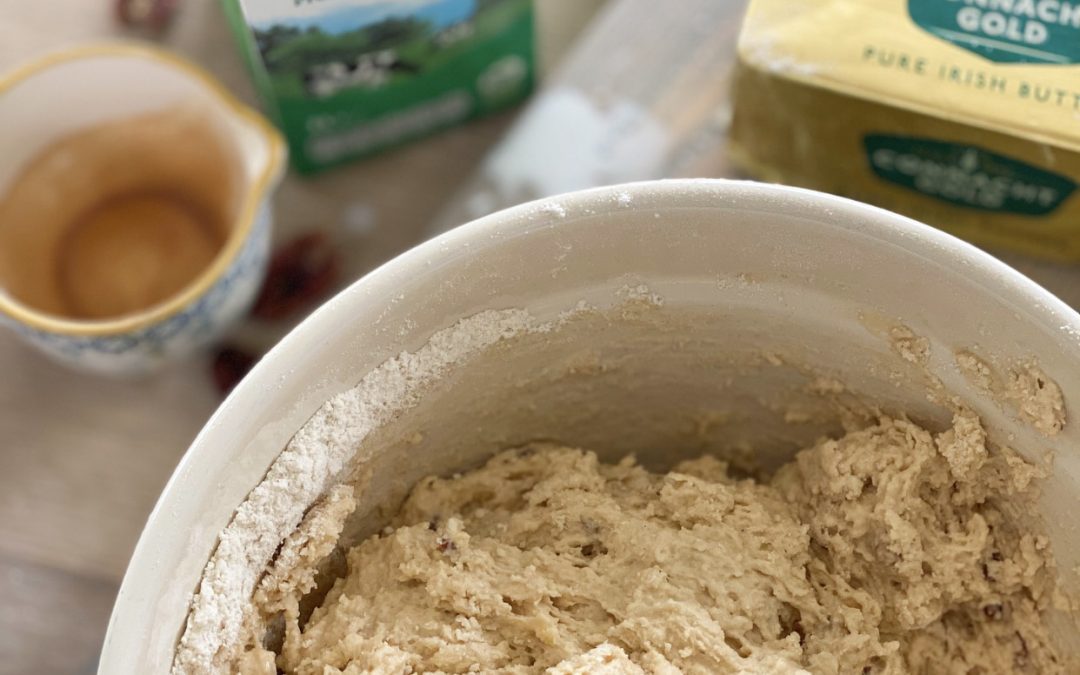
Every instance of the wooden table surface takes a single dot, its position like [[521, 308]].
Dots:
[[82, 458]]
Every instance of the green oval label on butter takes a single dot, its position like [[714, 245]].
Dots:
[[966, 175], [1005, 31]]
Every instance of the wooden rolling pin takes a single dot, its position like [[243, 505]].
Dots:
[[643, 94]]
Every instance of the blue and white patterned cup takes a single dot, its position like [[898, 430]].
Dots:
[[65, 93]]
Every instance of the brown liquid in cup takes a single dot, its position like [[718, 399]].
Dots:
[[118, 218]]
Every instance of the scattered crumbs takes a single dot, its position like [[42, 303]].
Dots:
[[624, 199], [1038, 398], [773, 358], [975, 371], [964, 445], [640, 293], [911, 347]]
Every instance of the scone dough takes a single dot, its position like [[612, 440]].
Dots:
[[890, 550]]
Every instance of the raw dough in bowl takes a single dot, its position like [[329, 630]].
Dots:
[[888, 546]]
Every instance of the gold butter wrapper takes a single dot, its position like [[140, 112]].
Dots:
[[964, 114]]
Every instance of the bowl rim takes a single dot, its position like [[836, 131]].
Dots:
[[377, 285], [254, 196]]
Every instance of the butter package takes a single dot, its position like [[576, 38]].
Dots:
[[964, 114], [345, 78]]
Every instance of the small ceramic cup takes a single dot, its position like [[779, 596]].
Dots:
[[203, 144]]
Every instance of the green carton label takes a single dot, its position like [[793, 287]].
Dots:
[[344, 78], [966, 175], [1005, 31]]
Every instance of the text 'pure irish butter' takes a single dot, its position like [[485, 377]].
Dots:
[[960, 113]]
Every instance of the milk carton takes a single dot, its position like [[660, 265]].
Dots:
[[345, 78]]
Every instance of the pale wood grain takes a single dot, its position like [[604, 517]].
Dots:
[[50, 622], [84, 459]]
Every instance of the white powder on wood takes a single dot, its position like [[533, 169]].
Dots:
[[307, 468]]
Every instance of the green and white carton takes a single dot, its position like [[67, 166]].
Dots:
[[346, 78]]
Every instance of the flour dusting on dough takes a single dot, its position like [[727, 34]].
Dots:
[[308, 469]]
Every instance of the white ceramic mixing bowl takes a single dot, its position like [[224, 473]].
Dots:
[[745, 270]]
